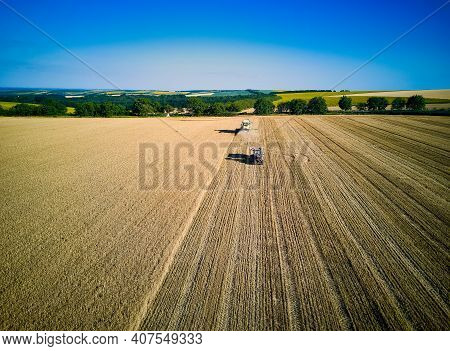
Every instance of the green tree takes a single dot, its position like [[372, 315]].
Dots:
[[376, 103], [232, 107], [264, 107], [109, 109], [142, 107], [197, 106], [166, 108], [345, 103], [86, 109], [157, 106], [24, 110], [372, 103], [119, 110], [283, 107], [52, 108], [243, 104], [416, 103], [382, 104], [317, 106], [216, 109], [297, 106], [361, 106], [398, 103]]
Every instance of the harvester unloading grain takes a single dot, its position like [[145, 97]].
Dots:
[[245, 125]]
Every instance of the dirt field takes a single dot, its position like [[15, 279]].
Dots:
[[345, 226]]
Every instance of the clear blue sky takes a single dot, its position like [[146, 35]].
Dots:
[[220, 44]]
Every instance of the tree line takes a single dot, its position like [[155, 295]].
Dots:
[[101, 105], [143, 107], [203, 106], [315, 106], [374, 103], [318, 105]]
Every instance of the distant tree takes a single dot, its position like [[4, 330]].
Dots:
[[345, 103], [297, 106], [372, 103], [416, 103], [5, 111], [52, 108], [232, 107], [216, 109], [283, 107], [244, 104], [86, 109], [197, 106], [398, 103], [120, 110], [142, 107], [317, 106], [109, 109], [376, 103], [166, 108], [382, 104], [24, 110], [264, 107], [361, 106]]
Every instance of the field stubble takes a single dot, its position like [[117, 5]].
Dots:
[[343, 227]]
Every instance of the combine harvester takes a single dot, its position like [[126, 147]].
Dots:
[[245, 125], [256, 153]]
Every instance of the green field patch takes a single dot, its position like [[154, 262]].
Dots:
[[9, 104]]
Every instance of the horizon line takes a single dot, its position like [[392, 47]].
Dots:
[[190, 90]]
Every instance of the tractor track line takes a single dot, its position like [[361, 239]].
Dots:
[[423, 279], [401, 135], [150, 296], [352, 127], [344, 317], [383, 176]]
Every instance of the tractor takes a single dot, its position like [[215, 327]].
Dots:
[[256, 156]]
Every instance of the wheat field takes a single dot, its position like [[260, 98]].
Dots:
[[344, 227]]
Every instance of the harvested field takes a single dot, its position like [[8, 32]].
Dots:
[[81, 243], [344, 227]]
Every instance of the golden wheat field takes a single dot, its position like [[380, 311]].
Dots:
[[160, 224]]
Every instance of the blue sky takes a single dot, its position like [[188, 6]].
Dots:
[[216, 44]]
